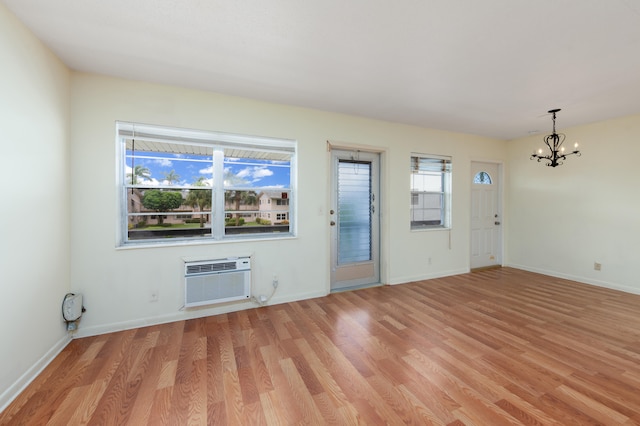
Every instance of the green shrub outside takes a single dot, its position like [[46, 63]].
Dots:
[[234, 222]]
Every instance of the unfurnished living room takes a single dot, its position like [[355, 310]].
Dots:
[[280, 212]]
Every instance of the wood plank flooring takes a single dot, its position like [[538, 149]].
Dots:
[[495, 347]]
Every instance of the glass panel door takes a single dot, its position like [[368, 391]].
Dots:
[[354, 219]]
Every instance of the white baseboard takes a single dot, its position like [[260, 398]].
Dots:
[[577, 278], [441, 274], [23, 381], [181, 315]]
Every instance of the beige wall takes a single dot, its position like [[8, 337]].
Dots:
[[34, 218], [563, 219], [117, 282]]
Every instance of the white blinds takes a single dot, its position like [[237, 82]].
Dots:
[[430, 164]]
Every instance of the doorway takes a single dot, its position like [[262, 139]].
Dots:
[[355, 219], [486, 215]]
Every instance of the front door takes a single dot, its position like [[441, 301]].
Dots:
[[354, 219], [486, 221]]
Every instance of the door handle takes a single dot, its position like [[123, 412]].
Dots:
[[332, 223], [496, 223]]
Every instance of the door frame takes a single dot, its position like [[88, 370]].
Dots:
[[381, 206], [501, 207]]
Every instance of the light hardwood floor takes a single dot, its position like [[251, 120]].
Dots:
[[493, 347]]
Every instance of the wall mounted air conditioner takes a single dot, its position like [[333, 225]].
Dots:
[[217, 281]]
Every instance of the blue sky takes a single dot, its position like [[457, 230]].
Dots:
[[238, 172]]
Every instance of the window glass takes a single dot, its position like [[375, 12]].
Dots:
[[482, 178], [176, 182], [430, 191], [354, 211]]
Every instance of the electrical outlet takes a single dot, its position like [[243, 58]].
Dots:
[[154, 296], [597, 266]]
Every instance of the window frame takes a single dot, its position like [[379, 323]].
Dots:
[[435, 165], [218, 142]]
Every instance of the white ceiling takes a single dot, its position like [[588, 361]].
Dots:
[[491, 67]]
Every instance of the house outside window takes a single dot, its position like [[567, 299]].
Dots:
[[274, 201], [430, 191], [190, 185]]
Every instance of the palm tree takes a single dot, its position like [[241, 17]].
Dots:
[[236, 196], [240, 197], [171, 177], [139, 172], [199, 198]]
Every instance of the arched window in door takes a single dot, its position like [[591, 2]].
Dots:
[[482, 178]]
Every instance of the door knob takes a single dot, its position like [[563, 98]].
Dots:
[[332, 223], [496, 223]]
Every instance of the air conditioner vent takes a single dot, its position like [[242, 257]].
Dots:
[[205, 268]]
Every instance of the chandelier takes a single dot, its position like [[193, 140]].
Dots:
[[554, 141]]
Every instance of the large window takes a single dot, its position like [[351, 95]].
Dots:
[[179, 184], [430, 191]]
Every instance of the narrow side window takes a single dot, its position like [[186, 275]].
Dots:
[[430, 191]]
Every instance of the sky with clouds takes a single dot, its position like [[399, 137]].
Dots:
[[188, 169]]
